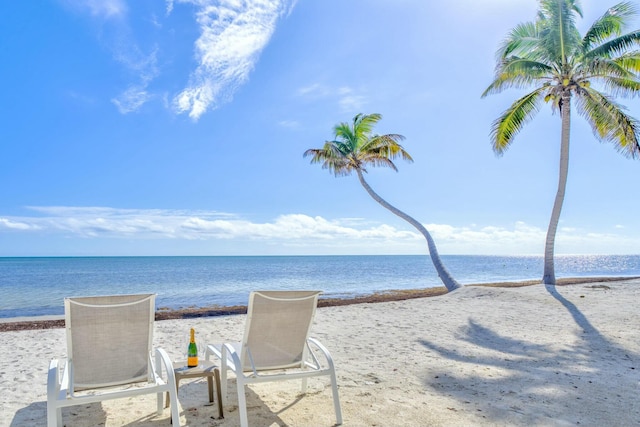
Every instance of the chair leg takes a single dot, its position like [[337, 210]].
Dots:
[[223, 373], [242, 403], [166, 405], [175, 412], [216, 375], [336, 397], [210, 388], [54, 412], [54, 416]]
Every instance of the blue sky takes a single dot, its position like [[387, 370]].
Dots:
[[177, 128]]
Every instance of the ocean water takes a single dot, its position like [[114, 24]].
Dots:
[[37, 286]]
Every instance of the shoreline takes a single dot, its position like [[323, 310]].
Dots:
[[53, 321]]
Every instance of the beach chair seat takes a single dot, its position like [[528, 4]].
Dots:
[[109, 355], [276, 346]]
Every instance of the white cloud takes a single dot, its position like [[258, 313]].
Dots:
[[131, 99], [198, 225], [313, 89], [473, 239], [121, 42], [346, 97], [349, 101], [232, 36], [100, 8], [145, 68], [290, 124], [13, 225], [306, 234]]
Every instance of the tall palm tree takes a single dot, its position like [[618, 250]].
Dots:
[[551, 55], [354, 148]]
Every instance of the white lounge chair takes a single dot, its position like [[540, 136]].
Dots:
[[276, 346], [109, 355]]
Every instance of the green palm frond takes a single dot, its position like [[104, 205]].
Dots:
[[391, 148], [522, 40], [505, 128], [365, 122], [518, 73], [630, 61], [610, 24], [610, 123], [345, 135], [523, 66], [558, 62], [389, 142], [615, 47], [355, 147], [604, 68], [625, 87], [331, 158], [376, 160], [559, 36]]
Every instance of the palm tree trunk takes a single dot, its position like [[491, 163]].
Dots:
[[449, 282], [549, 276]]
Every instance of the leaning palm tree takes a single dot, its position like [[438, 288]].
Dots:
[[551, 55], [354, 148]]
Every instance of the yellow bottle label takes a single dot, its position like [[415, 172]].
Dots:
[[192, 361]]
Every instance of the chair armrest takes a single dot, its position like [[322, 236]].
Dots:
[[163, 360], [53, 379], [209, 350], [233, 356], [317, 344], [226, 353]]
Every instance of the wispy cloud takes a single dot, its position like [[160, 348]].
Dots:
[[348, 99], [233, 34], [304, 232], [314, 89], [290, 124], [145, 70], [191, 225], [105, 9], [117, 36], [17, 225], [131, 99]]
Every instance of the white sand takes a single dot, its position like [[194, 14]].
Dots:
[[476, 357]]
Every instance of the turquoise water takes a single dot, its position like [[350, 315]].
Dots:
[[37, 286]]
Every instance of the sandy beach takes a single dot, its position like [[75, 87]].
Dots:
[[480, 356]]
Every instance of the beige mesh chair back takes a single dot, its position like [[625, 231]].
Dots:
[[94, 324], [109, 344], [278, 325], [276, 346]]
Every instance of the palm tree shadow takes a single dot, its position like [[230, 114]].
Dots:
[[512, 380], [579, 317]]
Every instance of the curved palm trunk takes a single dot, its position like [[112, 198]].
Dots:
[[549, 275], [449, 282]]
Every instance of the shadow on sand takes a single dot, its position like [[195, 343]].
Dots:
[[516, 384]]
